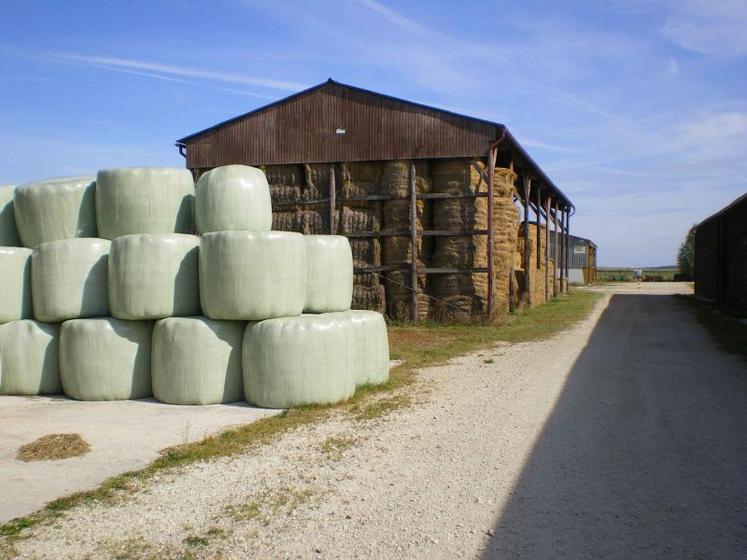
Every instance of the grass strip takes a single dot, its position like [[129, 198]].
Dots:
[[729, 333]]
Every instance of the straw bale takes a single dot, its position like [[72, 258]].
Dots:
[[366, 252], [360, 179], [356, 219], [395, 178], [369, 297], [302, 221], [399, 295]]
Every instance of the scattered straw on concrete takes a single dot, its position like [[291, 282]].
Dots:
[[53, 447]]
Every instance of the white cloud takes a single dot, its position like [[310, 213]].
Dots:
[[714, 27]]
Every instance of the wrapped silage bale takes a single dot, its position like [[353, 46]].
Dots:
[[69, 279], [154, 275], [252, 276], [196, 360], [61, 208], [8, 232], [105, 359], [144, 200], [28, 358], [297, 361], [329, 283], [233, 198], [15, 283], [368, 346]]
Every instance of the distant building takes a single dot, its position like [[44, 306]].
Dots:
[[582, 267]]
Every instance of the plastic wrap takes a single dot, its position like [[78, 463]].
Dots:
[[154, 275], [197, 360], [28, 358], [8, 232], [105, 359], [368, 347], [69, 279], [297, 361], [15, 284], [144, 200], [252, 276], [329, 283], [233, 198], [53, 209]]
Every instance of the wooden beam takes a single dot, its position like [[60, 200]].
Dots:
[[547, 248], [414, 242], [555, 241], [492, 155], [561, 256], [332, 200], [527, 264], [538, 210], [568, 248]]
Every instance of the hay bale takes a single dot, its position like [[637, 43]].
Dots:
[[28, 358], [297, 361], [399, 295], [372, 297], [329, 282], [15, 284], [396, 175], [196, 360], [287, 184], [458, 176], [144, 200], [69, 279], [105, 359], [360, 178], [154, 275], [358, 219], [368, 347], [53, 209], [8, 232], [233, 197], [308, 222], [252, 275]]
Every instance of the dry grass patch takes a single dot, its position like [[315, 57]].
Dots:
[[53, 447]]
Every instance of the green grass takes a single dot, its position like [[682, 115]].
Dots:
[[727, 332], [418, 346], [626, 274]]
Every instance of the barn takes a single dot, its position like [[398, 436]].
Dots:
[[437, 205]]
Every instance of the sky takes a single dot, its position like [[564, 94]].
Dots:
[[636, 109]]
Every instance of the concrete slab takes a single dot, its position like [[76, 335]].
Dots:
[[124, 435]]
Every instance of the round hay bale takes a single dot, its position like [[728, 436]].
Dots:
[[144, 200], [233, 197], [252, 275], [69, 279], [308, 222], [463, 297], [399, 296], [15, 279], [368, 350], [61, 208], [105, 359], [297, 361], [372, 297], [458, 176], [196, 360], [28, 358], [329, 283], [8, 232], [154, 275], [366, 251]]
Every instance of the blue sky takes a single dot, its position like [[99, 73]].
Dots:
[[636, 109]]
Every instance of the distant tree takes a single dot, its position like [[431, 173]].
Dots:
[[686, 254]]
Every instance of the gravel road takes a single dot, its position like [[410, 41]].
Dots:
[[623, 437]]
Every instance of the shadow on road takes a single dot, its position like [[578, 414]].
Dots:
[[645, 452]]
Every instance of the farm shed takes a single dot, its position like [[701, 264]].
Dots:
[[427, 197], [721, 257], [582, 260]]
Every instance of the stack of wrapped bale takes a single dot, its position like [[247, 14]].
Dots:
[[397, 250]]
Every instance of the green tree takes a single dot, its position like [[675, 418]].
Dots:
[[686, 254]]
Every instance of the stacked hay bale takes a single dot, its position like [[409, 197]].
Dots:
[[290, 187], [155, 278], [536, 275]]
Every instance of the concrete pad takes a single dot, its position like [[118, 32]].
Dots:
[[124, 436]]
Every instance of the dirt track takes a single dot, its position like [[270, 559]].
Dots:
[[622, 438]]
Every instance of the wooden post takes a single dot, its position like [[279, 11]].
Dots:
[[556, 245], [539, 228], [332, 201], [568, 250], [414, 242], [562, 249], [492, 155], [527, 264], [547, 248]]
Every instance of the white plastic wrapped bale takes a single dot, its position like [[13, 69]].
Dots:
[[69, 279], [144, 200], [28, 358], [297, 361], [105, 359], [252, 276], [368, 347], [329, 283], [197, 360], [53, 209], [233, 198], [154, 275], [15, 283], [8, 232]]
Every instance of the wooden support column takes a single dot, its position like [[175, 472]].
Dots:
[[332, 201], [562, 249], [538, 203], [492, 155], [568, 249], [556, 245], [413, 241], [527, 264], [547, 248]]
